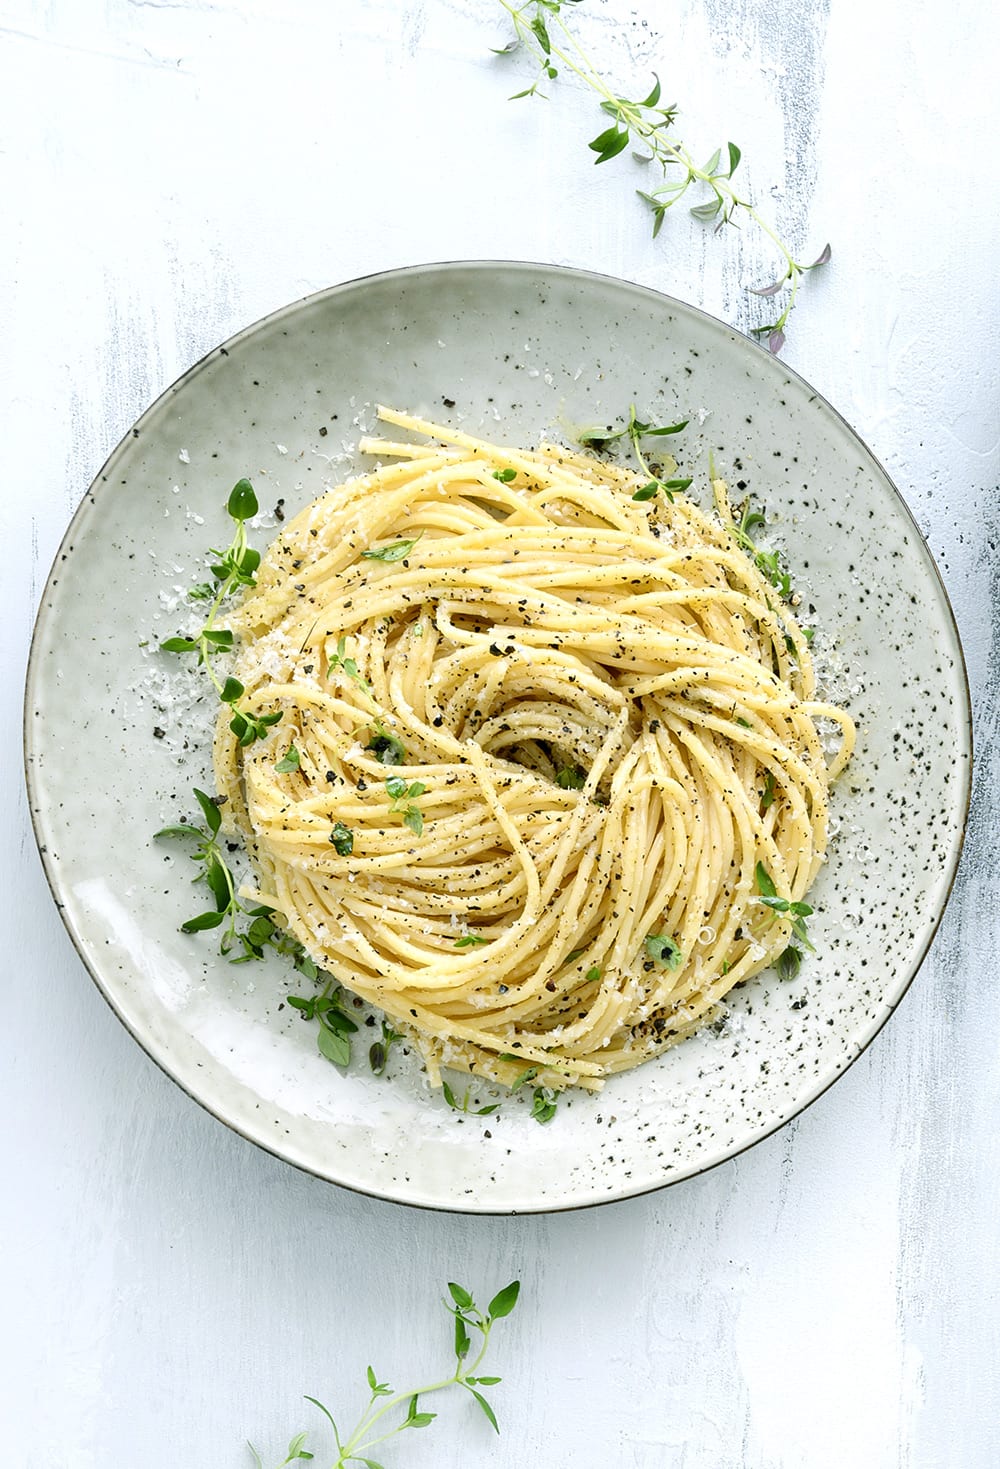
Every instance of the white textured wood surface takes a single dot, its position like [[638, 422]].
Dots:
[[172, 169]]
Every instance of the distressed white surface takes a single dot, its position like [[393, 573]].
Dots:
[[170, 170]]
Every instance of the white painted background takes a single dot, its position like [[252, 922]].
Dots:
[[169, 171]]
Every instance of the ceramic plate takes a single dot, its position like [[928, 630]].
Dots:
[[116, 736]]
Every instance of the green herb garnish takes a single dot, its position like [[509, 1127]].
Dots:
[[333, 1039], [469, 940], [386, 748], [571, 778], [768, 563], [668, 486], [767, 795], [544, 1101], [796, 912], [235, 567], [384, 1403], [378, 1052], [544, 1104], [635, 430], [664, 950], [229, 910], [349, 667], [650, 127], [342, 838], [399, 791], [464, 1104], [505, 475], [395, 551], [289, 761]]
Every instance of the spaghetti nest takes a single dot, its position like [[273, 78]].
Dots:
[[539, 744]]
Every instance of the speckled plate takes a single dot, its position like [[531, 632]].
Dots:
[[513, 350]]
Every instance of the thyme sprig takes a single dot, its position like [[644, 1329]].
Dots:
[[651, 129], [400, 791], [395, 551], [635, 430], [664, 950], [768, 563], [471, 1326], [387, 749], [336, 1027], [465, 1105], [544, 1100], [230, 910], [378, 1051], [349, 667], [333, 1037], [796, 913], [544, 1104], [233, 568], [291, 760]]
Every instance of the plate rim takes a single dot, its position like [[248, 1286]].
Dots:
[[36, 798]]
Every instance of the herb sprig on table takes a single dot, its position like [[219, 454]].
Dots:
[[650, 127], [389, 1413]]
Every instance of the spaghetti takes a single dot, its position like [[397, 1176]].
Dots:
[[541, 741]]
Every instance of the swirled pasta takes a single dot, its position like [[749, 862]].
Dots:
[[549, 742]]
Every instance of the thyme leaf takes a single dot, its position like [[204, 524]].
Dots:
[[664, 950], [544, 1104], [395, 551], [289, 761]]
